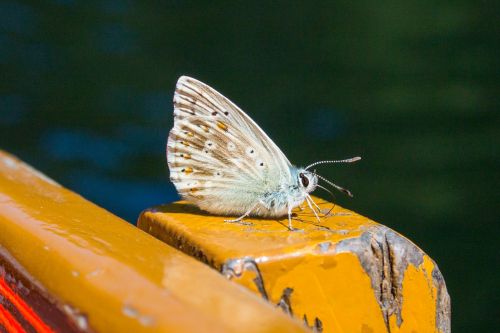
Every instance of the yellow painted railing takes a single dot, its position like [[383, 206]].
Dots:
[[67, 265], [345, 274]]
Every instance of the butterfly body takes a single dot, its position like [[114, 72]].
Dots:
[[223, 162], [271, 202]]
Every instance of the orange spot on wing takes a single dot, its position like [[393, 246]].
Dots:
[[221, 125]]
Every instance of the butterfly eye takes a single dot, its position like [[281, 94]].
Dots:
[[304, 180]]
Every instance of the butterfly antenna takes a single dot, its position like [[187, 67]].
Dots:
[[341, 189], [333, 197], [349, 160]]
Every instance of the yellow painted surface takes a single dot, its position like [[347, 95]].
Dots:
[[338, 286], [111, 276], [327, 284], [419, 299], [264, 238]]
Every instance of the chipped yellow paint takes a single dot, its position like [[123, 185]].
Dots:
[[324, 276], [419, 300], [111, 276], [337, 298], [263, 237]]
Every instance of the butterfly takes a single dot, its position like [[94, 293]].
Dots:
[[224, 163]]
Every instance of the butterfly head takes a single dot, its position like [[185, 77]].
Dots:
[[308, 181], [316, 176]]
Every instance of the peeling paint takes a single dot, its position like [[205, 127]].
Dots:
[[443, 306], [317, 326], [377, 259], [236, 267], [385, 256], [354, 274], [324, 247], [284, 302]]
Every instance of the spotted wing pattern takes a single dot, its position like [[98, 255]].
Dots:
[[218, 157]]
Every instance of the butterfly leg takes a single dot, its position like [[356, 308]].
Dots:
[[290, 227], [315, 205], [290, 217], [239, 219], [310, 206]]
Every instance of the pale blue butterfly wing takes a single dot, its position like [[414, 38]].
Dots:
[[218, 157]]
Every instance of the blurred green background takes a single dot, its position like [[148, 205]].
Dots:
[[86, 89]]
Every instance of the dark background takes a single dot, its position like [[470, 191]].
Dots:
[[412, 86]]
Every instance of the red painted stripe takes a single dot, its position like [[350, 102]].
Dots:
[[23, 308], [9, 322]]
